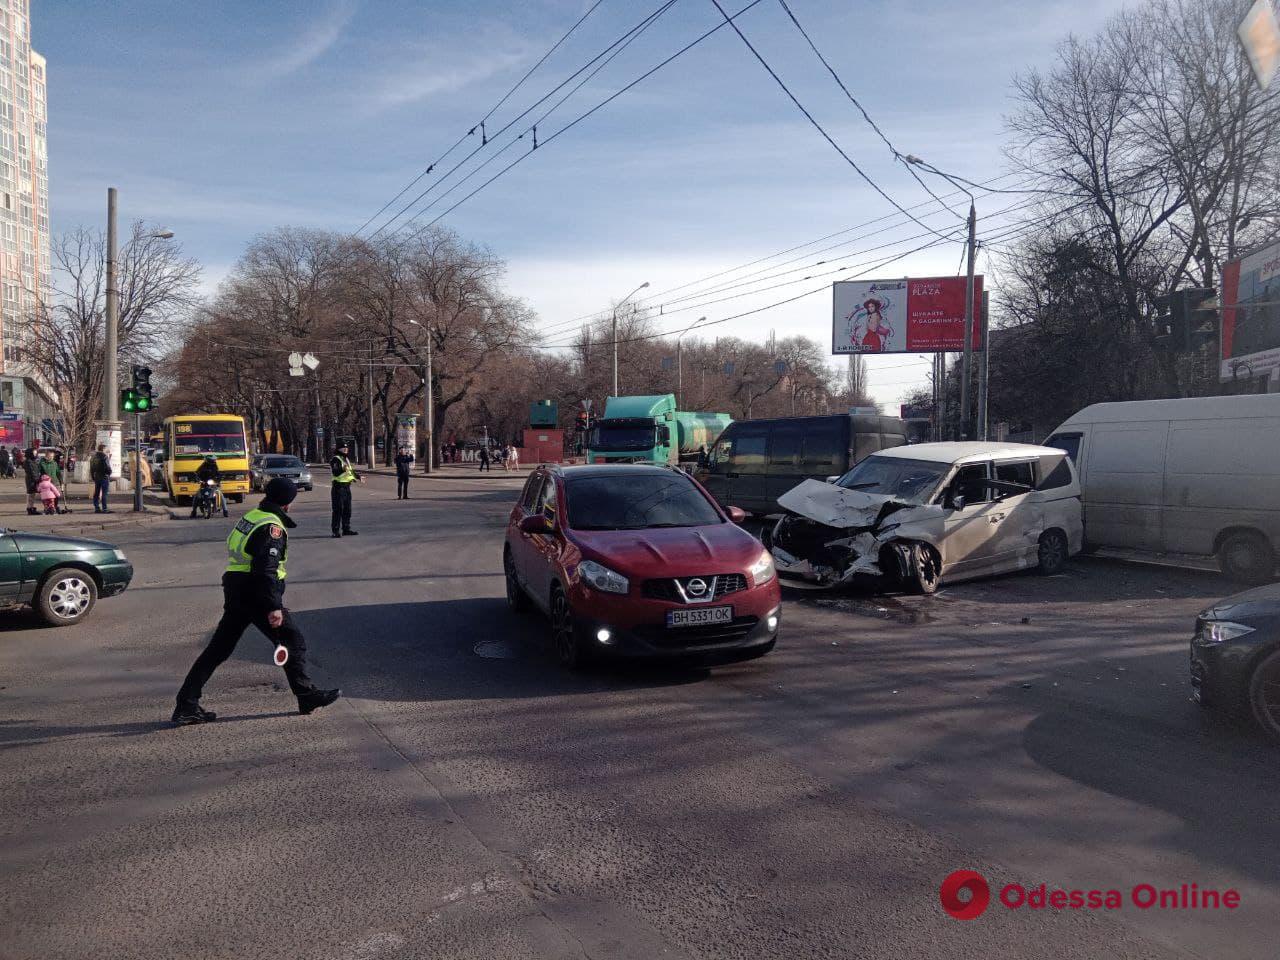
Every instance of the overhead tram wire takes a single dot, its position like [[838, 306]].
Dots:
[[635, 35], [596, 314], [624, 38], [897, 155], [492, 110], [817, 126], [670, 307]]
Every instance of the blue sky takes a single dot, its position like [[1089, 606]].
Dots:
[[225, 120]]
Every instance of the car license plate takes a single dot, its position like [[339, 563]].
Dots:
[[699, 617]]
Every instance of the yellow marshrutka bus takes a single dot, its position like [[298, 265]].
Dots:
[[190, 437]]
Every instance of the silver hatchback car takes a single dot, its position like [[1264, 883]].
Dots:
[[265, 466]]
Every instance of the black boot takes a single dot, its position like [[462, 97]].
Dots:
[[350, 533], [187, 714], [316, 699]]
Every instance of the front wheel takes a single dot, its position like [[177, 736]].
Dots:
[[1052, 553], [66, 597], [565, 638], [924, 572], [517, 599], [1264, 695]]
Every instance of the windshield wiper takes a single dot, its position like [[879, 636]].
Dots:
[[860, 486]]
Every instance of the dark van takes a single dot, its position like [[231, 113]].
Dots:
[[756, 461]]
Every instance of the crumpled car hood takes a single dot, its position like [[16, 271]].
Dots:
[[834, 506]]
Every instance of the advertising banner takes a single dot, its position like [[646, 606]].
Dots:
[[1250, 328], [407, 431], [903, 316]]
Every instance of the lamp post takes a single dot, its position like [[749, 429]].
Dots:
[[966, 364], [680, 360], [615, 332]]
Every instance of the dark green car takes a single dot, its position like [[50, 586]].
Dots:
[[61, 577]]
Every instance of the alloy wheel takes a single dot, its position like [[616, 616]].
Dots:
[[1264, 695], [562, 632], [1052, 552], [70, 597]]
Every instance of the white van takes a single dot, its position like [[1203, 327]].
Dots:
[[1198, 476]]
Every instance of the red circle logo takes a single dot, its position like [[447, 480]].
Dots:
[[959, 881]]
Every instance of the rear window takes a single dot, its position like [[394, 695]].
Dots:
[[637, 502], [823, 444], [279, 463]]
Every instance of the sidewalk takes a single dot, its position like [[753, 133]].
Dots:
[[456, 471], [81, 521]]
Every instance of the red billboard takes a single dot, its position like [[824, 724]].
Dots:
[[903, 316], [12, 433]]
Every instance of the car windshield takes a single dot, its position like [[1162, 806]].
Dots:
[[636, 436], [279, 463], [910, 480], [637, 502]]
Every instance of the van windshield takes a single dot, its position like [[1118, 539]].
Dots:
[[913, 481]]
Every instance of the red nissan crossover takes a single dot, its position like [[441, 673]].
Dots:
[[639, 561]]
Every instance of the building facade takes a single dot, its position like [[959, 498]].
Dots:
[[24, 226]]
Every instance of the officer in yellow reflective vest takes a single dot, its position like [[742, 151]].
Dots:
[[340, 494], [253, 593]]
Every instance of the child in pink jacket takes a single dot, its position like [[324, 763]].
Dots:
[[48, 494]]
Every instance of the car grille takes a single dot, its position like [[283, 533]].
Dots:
[[676, 638], [719, 585]]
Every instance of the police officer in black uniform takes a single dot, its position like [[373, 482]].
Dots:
[[253, 593], [340, 494]]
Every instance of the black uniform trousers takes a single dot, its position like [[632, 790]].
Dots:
[[402, 485], [238, 612], [340, 498]]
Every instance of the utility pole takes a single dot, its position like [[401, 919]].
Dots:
[[983, 360], [965, 433], [430, 408], [110, 387], [372, 447]]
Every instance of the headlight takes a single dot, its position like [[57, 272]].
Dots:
[[762, 570], [1217, 631], [602, 578], [119, 554]]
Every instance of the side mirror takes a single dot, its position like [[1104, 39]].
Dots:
[[736, 514], [833, 479], [956, 501], [664, 434], [537, 523]]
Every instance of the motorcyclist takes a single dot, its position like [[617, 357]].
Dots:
[[208, 470]]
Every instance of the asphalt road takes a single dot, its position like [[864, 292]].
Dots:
[[467, 798]]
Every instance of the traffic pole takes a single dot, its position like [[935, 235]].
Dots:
[[137, 463], [966, 364], [110, 386], [983, 360]]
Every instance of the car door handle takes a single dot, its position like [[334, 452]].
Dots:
[[731, 476]]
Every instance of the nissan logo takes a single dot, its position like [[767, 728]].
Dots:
[[696, 587]]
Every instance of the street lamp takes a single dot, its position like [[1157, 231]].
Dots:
[[615, 332], [968, 292], [680, 359]]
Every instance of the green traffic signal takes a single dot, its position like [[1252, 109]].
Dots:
[[132, 401]]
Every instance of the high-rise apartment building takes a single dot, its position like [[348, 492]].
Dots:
[[28, 403]]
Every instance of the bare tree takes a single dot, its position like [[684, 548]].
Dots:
[[157, 287]]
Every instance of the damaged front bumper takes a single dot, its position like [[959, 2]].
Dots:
[[831, 535]]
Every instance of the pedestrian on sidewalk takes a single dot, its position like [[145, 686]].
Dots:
[[253, 593], [513, 457], [404, 463], [340, 493], [31, 477], [100, 474], [6, 463], [484, 459]]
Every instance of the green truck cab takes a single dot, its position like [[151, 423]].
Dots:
[[651, 430]]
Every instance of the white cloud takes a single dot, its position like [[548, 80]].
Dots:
[[438, 68], [311, 44]]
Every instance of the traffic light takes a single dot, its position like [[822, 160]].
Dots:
[[1188, 318], [143, 397]]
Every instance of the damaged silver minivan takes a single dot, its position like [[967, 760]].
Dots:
[[933, 512]]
